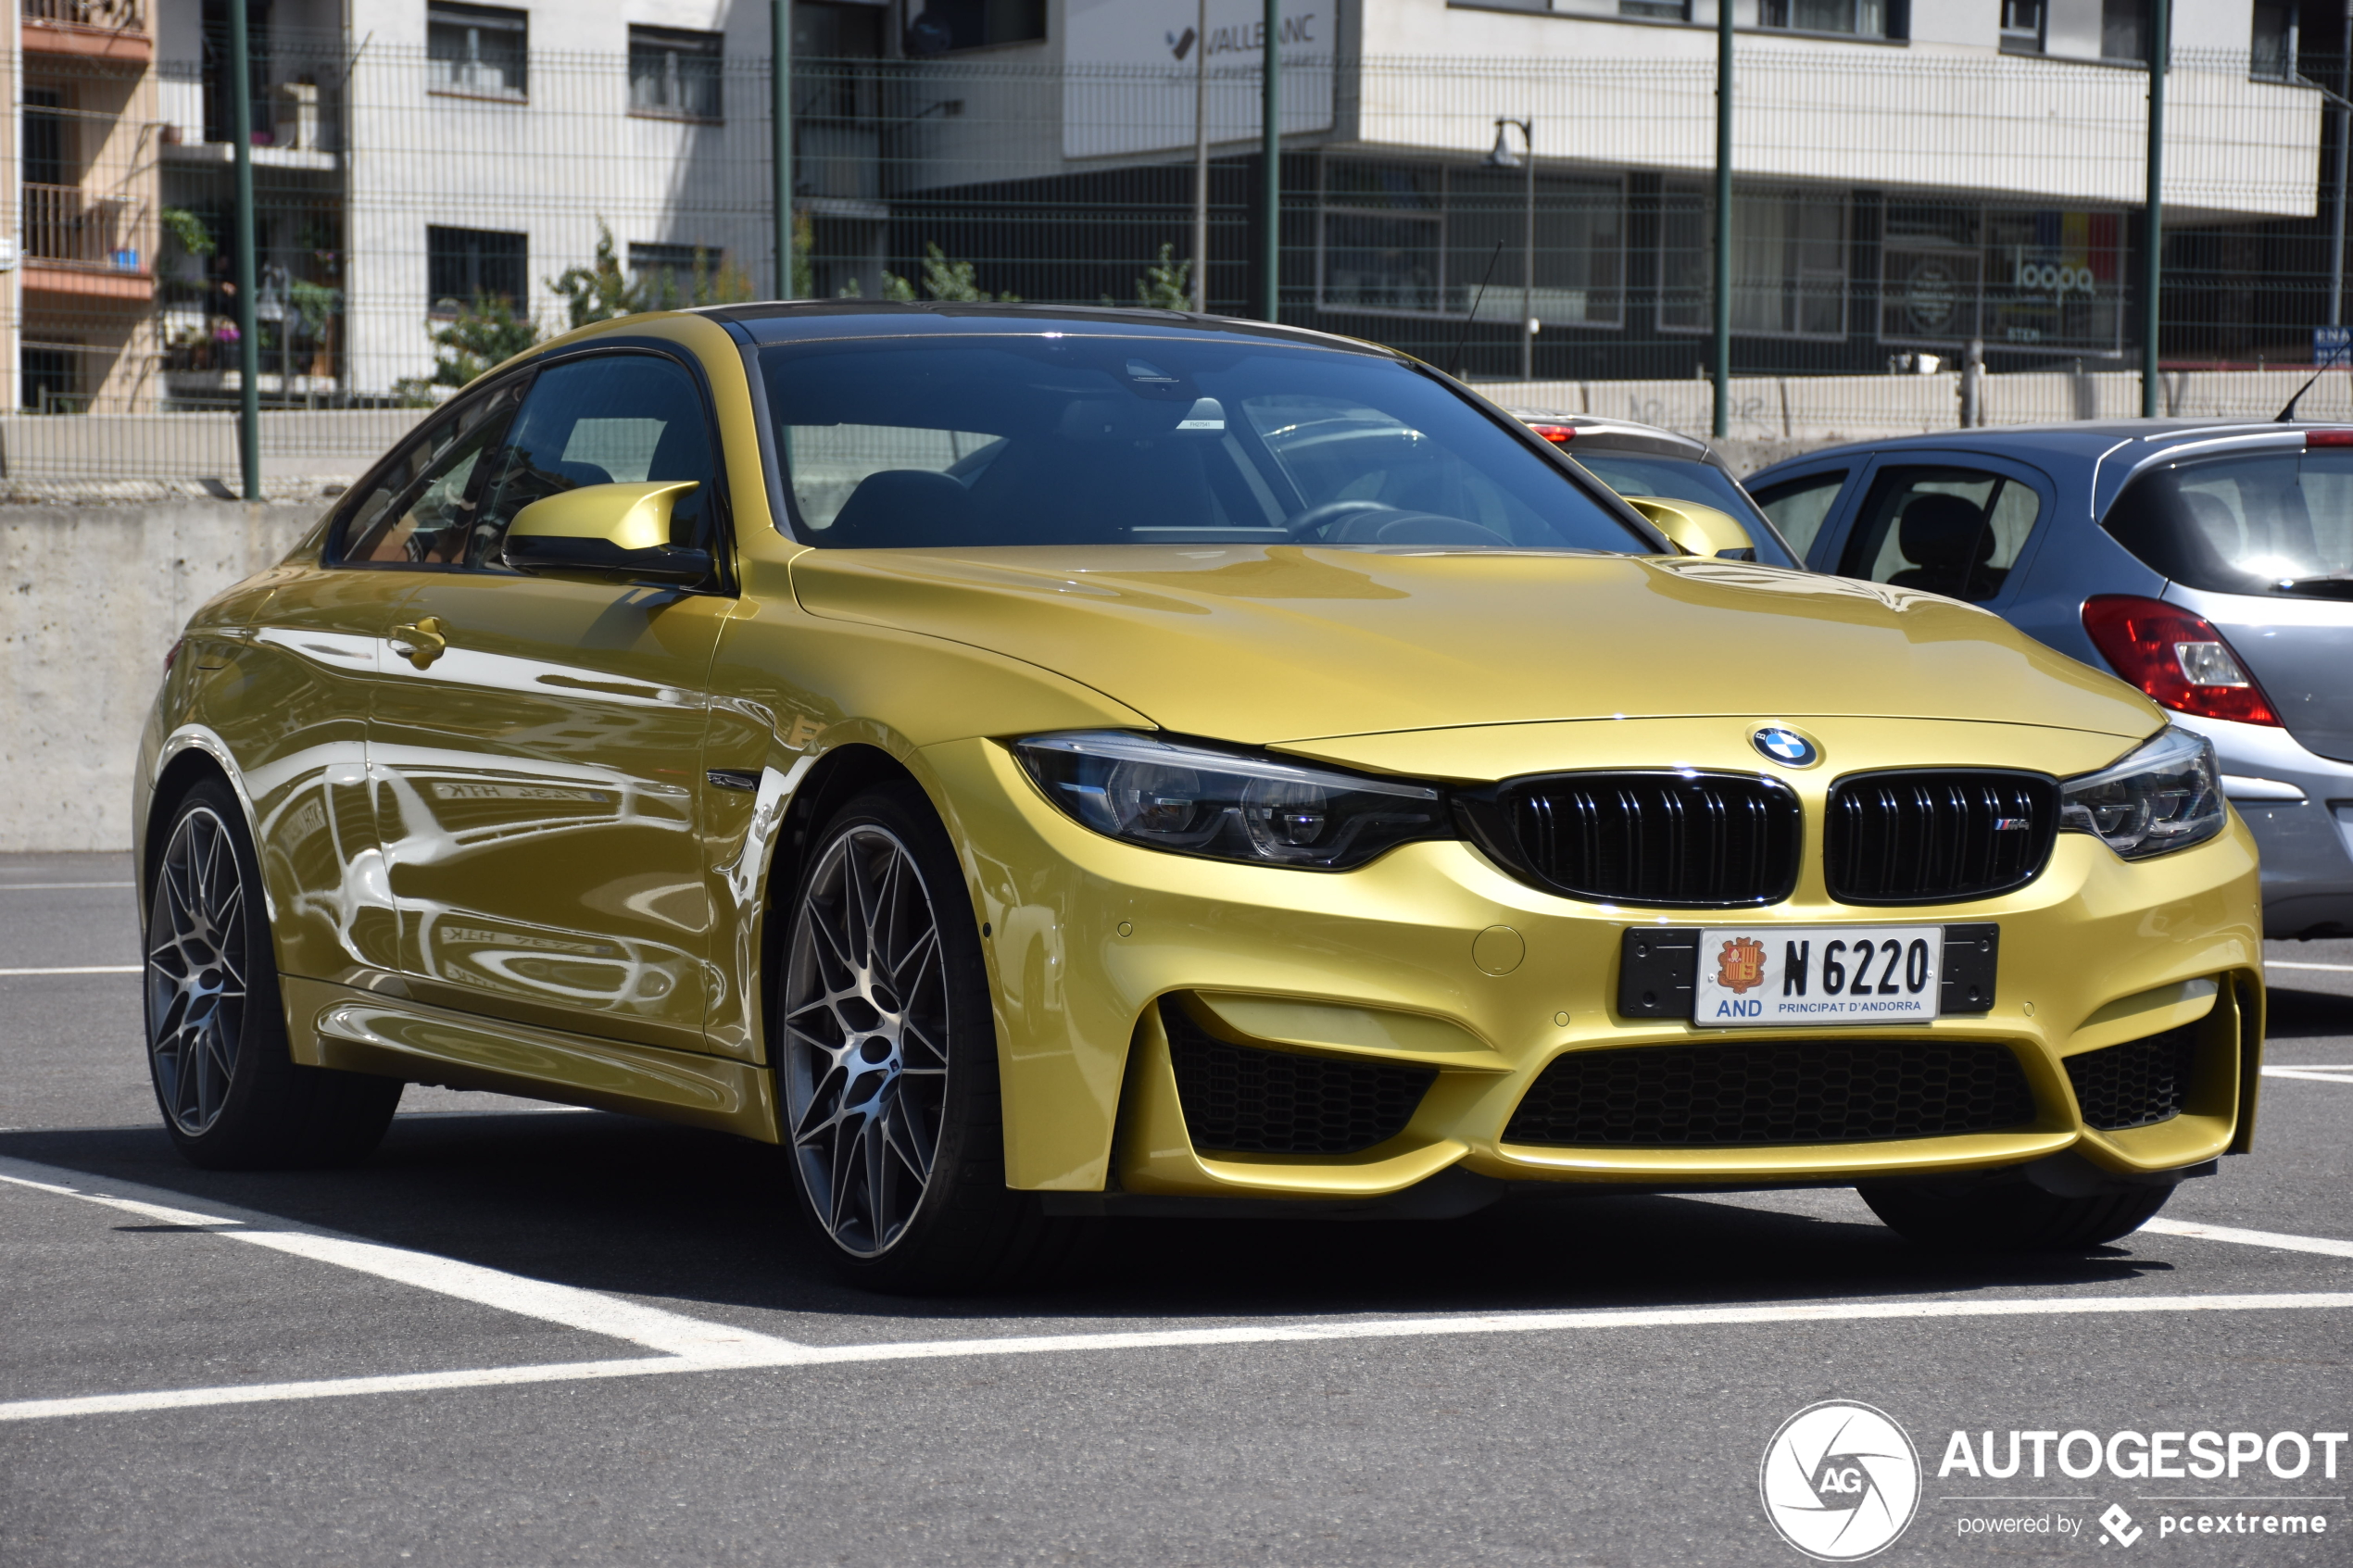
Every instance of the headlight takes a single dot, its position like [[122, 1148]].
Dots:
[[2164, 796], [1229, 806]]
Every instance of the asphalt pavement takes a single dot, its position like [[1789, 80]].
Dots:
[[525, 1335]]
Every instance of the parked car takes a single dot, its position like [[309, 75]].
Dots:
[[2209, 563], [1646, 463], [1037, 764]]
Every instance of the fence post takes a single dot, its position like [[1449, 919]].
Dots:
[[1270, 153], [249, 343], [1722, 425], [2153, 262], [780, 155]]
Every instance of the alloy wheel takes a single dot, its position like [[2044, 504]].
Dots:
[[195, 970], [865, 1039]]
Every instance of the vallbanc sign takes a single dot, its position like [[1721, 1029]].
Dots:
[[1131, 88]]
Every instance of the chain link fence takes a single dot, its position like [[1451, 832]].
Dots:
[[421, 213]]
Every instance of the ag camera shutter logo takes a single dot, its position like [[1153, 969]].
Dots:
[[1840, 1480]]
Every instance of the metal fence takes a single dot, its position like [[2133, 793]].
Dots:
[[420, 215]]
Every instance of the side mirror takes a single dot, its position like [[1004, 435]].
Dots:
[[606, 534], [1691, 528]]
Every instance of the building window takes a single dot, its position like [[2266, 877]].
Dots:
[[479, 50], [1862, 19], [466, 264], [46, 379], [2045, 280], [674, 74], [2022, 26], [1404, 239], [1789, 262], [667, 275], [2274, 50], [2125, 31], [973, 24], [1659, 11]]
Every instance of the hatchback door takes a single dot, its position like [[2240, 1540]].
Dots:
[[2261, 544], [540, 741]]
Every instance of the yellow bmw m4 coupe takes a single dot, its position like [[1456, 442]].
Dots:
[[1035, 764]]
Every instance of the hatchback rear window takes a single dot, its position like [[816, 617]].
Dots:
[[1092, 439], [2269, 522]]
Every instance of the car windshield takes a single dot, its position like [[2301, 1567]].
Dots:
[[2275, 522], [1677, 479], [1094, 439]]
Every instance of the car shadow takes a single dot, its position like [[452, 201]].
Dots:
[[614, 1203], [2304, 1015]]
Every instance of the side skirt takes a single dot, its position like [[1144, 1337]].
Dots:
[[365, 1031]]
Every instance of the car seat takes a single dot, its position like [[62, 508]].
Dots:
[[1949, 539]]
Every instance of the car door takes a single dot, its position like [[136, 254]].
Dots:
[[538, 743], [318, 646], [1963, 524]]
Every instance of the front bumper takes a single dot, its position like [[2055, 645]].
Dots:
[[1400, 961]]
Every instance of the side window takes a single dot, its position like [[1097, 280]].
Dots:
[[1798, 506], [622, 419], [1951, 531], [417, 514]]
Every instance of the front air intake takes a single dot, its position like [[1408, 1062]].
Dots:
[[1936, 836], [2137, 1084], [1773, 1092], [1243, 1100], [1678, 839]]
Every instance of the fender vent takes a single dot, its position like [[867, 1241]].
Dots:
[[1240, 1100]]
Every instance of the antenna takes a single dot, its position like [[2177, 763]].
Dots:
[[1456, 353], [2284, 415]]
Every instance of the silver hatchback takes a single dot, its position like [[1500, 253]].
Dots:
[[2208, 564]]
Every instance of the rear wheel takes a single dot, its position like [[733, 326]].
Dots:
[[2014, 1216], [230, 1093], [886, 1058]]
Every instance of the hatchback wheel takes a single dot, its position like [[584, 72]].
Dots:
[[231, 1094], [885, 1057]]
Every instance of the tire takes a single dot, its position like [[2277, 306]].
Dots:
[[886, 1058], [230, 1093], [2014, 1216]]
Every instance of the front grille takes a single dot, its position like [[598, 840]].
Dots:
[[1664, 838], [1244, 1100], [1774, 1091], [1930, 837], [2135, 1084]]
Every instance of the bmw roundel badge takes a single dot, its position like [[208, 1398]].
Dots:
[[1785, 745]]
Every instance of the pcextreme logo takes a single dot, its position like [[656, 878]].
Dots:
[[1840, 1480]]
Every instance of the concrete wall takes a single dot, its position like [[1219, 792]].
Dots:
[[90, 597]]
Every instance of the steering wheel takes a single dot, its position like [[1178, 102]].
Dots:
[[1315, 522]]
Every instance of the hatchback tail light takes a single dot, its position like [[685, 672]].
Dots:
[[2179, 658], [2328, 438], [1558, 435]]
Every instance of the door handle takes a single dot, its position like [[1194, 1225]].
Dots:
[[420, 642]]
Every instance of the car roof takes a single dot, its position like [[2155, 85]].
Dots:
[[1618, 436], [2087, 440], [814, 319]]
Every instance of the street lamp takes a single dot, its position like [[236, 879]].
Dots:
[[1503, 158]]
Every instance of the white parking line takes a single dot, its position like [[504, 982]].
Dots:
[[2190, 1228], [2312, 1073], [55, 887], [80, 969], [2335, 968], [693, 1345]]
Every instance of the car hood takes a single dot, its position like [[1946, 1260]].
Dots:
[[1267, 645]]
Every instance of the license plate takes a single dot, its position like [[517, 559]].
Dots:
[[1818, 974]]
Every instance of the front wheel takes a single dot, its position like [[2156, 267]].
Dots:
[[2013, 1216], [886, 1056], [232, 1095]]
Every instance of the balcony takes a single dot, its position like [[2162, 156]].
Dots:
[[75, 245], [106, 32]]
